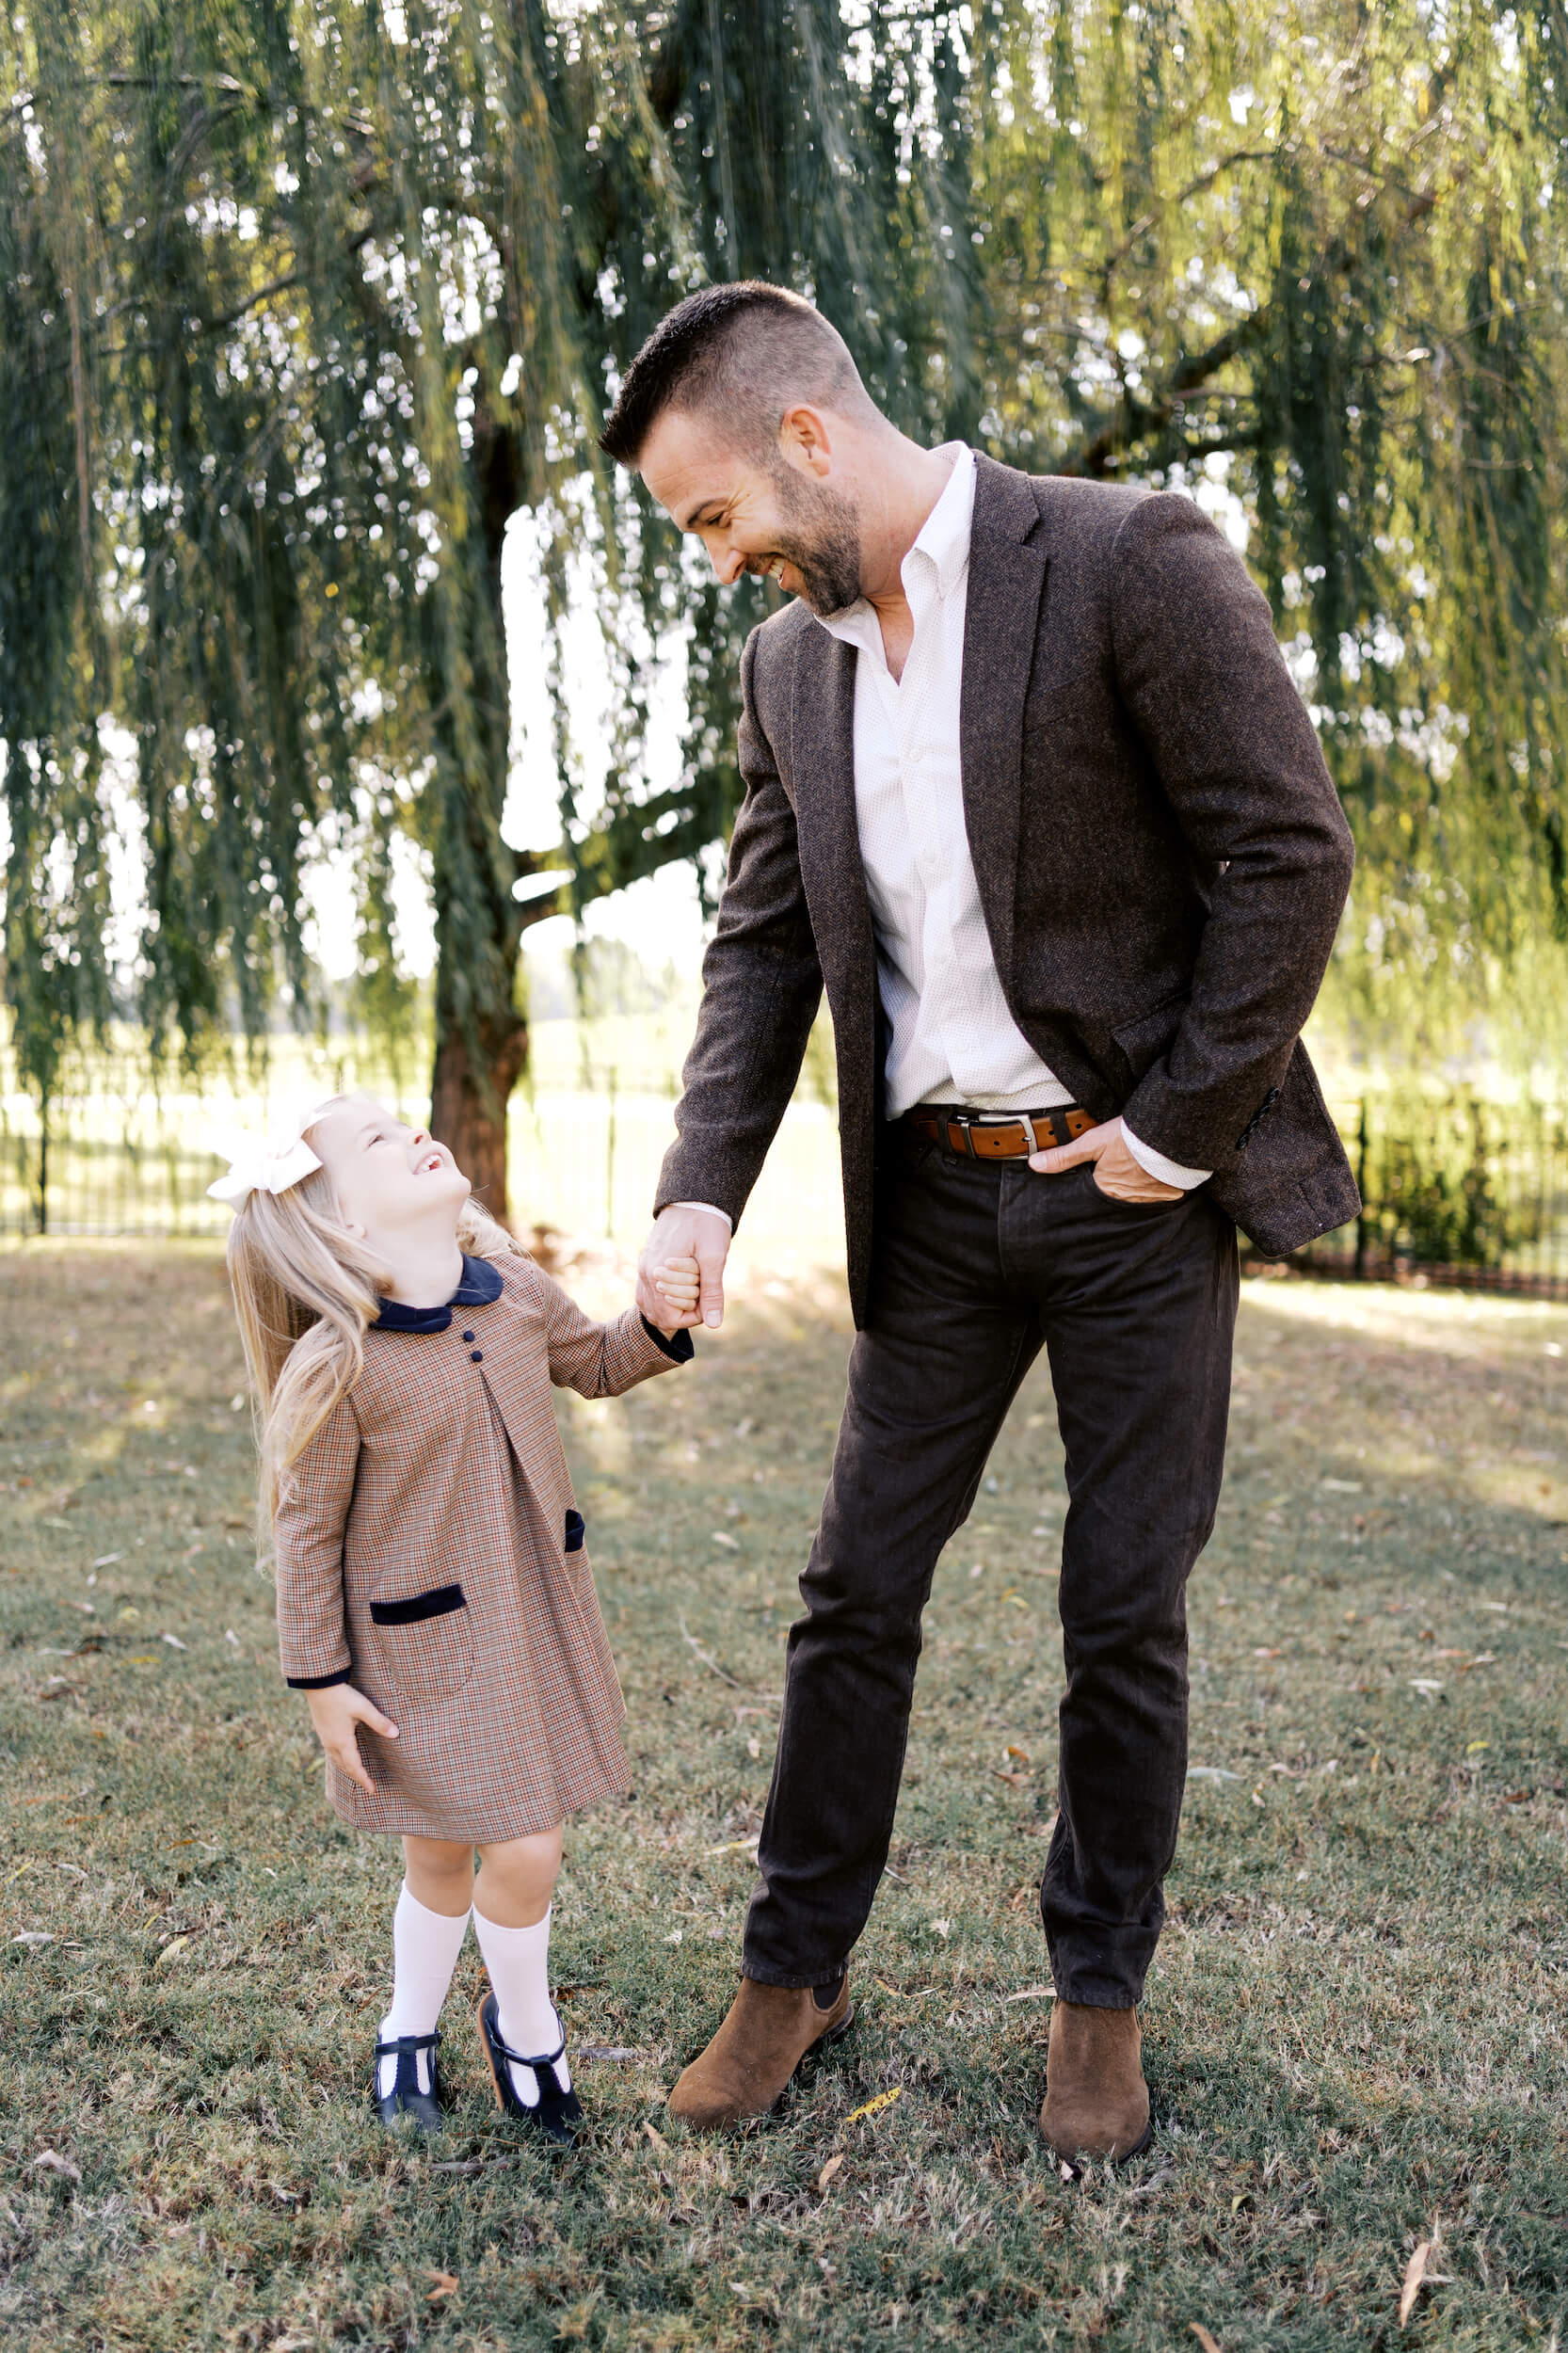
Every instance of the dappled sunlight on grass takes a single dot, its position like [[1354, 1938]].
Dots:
[[1355, 2018]]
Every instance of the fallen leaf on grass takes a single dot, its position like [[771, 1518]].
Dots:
[[446, 2284], [874, 2108], [657, 2137], [610, 2054], [1021, 1755], [825, 2176], [1014, 1780], [176, 1944], [1207, 2343], [730, 1544], [174, 1643], [34, 1936], [1415, 2272], [52, 2162], [1032, 1993]]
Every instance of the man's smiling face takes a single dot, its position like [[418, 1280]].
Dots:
[[781, 522]]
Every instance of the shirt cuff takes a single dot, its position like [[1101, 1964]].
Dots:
[[676, 1346], [1156, 1164], [709, 1206], [316, 1682]]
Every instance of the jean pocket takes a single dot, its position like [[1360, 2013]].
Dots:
[[423, 1645], [1128, 1208]]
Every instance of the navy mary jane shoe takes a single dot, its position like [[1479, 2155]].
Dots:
[[406, 2098], [557, 2116]]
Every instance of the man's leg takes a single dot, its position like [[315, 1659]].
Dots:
[[931, 1377], [1140, 1307]]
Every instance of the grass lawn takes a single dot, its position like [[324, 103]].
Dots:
[[1354, 2027]]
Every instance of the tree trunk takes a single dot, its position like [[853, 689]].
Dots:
[[469, 1115], [481, 1034]]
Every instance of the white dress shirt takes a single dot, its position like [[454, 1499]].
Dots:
[[952, 1039]]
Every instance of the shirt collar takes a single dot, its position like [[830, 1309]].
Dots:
[[481, 1285], [943, 539]]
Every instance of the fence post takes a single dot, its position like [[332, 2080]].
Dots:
[[1361, 1188]]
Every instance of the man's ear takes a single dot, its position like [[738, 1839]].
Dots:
[[805, 440]]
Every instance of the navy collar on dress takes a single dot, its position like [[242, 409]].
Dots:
[[480, 1286]]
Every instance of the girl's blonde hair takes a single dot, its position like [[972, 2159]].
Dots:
[[305, 1290]]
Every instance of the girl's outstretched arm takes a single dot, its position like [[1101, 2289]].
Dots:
[[602, 1359]]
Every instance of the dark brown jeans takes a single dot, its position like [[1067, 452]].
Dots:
[[977, 1265]]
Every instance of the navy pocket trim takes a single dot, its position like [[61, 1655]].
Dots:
[[576, 1530], [434, 1604]]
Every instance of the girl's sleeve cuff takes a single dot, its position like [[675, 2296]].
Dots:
[[316, 1682], [676, 1346]]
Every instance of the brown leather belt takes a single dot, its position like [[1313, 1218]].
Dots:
[[996, 1135]]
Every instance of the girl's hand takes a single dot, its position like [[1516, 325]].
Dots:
[[334, 1713], [677, 1282]]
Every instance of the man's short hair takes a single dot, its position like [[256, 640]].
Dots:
[[742, 353]]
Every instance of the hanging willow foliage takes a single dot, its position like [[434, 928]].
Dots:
[[300, 304]]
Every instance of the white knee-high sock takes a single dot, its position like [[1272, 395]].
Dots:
[[426, 1945], [519, 1964]]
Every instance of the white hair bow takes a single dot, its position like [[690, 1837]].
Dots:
[[264, 1164]]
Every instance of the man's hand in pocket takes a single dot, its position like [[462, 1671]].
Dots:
[[1117, 1171]]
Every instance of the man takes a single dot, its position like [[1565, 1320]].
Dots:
[[1030, 790]]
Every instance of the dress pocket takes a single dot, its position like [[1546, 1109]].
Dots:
[[424, 1644]]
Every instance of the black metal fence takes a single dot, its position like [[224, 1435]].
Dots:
[[120, 1149], [1460, 1186]]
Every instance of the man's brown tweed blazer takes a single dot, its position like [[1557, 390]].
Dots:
[[1160, 855], [429, 1552]]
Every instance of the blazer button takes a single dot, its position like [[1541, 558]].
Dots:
[[468, 1335], [477, 1354]]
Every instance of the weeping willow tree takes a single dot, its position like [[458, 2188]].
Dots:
[[301, 305], [1310, 262]]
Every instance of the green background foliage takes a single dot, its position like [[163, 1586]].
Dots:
[[301, 303]]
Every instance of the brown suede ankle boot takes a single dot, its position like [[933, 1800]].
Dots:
[[769, 2030], [1097, 2102]]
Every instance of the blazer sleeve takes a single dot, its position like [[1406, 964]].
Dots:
[[307, 1540], [1200, 671], [761, 985], [598, 1359]]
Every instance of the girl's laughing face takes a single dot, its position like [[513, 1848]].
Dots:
[[390, 1178]]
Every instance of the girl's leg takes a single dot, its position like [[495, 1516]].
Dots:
[[511, 1919], [428, 1927]]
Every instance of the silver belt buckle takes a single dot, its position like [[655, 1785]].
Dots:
[[1004, 1119]]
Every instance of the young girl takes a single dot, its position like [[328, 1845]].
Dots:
[[434, 1598]]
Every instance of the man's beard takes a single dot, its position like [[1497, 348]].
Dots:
[[825, 551]]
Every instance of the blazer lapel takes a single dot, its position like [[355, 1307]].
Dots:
[[822, 772], [1008, 561]]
